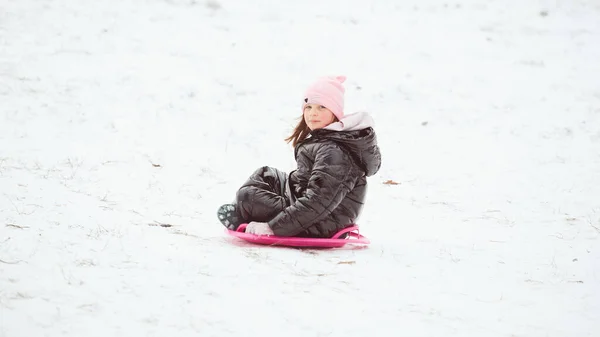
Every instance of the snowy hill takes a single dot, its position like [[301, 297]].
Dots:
[[125, 124]]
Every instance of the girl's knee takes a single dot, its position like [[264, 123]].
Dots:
[[244, 193]]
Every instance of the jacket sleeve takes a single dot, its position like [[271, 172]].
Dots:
[[332, 178]]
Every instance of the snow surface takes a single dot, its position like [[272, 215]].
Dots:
[[119, 116]]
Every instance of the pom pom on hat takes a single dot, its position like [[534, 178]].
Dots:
[[329, 92]]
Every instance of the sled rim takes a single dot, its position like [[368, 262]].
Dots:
[[354, 237]]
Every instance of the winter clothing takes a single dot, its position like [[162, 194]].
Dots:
[[355, 121], [327, 190], [329, 92], [259, 228], [228, 216]]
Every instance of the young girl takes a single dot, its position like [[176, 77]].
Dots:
[[335, 153]]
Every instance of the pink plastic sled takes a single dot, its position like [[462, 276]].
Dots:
[[334, 242]]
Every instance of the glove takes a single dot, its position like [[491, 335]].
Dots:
[[259, 228]]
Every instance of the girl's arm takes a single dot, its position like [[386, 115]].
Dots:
[[333, 177]]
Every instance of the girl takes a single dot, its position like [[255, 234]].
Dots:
[[335, 153]]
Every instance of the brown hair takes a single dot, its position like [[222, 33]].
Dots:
[[301, 131]]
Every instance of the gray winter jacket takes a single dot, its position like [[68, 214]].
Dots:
[[327, 190]]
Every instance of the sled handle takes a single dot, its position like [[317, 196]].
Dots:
[[344, 231]]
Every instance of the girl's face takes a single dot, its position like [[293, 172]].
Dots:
[[317, 116]]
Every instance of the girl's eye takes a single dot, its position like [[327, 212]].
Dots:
[[307, 107], [322, 107]]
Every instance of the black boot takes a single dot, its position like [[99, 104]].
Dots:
[[229, 217]]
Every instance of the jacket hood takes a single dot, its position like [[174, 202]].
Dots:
[[355, 132], [352, 122]]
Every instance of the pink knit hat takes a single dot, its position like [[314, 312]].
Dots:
[[329, 92]]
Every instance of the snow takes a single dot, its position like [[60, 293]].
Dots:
[[125, 124]]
